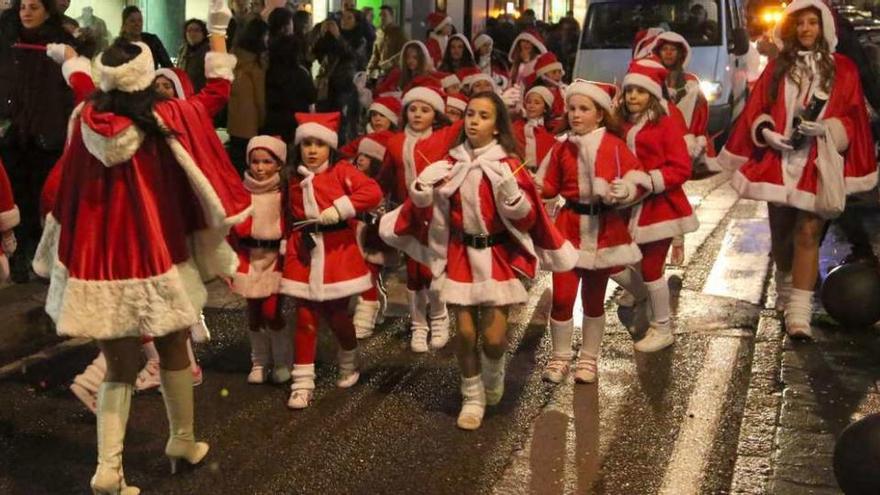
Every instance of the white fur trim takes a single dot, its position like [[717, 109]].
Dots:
[[317, 131], [797, 198], [828, 26], [220, 66], [486, 293], [622, 255], [657, 182], [115, 149], [591, 91], [426, 95], [456, 103], [327, 292], [9, 219], [639, 178], [761, 119], [838, 133], [562, 259], [385, 111], [673, 37], [516, 211], [663, 230], [344, 207], [269, 143], [110, 309], [135, 75], [548, 68], [371, 148], [74, 65], [525, 36], [480, 76], [729, 161], [445, 22], [481, 40], [429, 61], [544, 93], [645, 83], [422, 197], [450, 80], [262, 278], [47, 250], [175, 80]]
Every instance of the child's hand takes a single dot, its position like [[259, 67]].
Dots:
[[329, 216], [8, 242]]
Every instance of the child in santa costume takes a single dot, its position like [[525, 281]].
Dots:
[[523, 56], [439, 30], [455, 106], [802, 144], [426, 138], [474, 81], [674, 53], [383, 114], [490, 61], [458, 54], [450, 83], [549, 72], [487, 227], [531, 131], [596, 174], [324, 266], [258, 244], [9, 218], [415, 62], [657, 139], [133, 186]]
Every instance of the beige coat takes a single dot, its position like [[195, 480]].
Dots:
[[247, 103]]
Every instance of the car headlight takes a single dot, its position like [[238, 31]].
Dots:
[[711, 90]]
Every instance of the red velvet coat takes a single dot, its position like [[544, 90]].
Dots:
[[138, 219], [695, 110], [259, 269], [584, 176], [467, 204], [9, 215], [661, 149], [334, 268], [792, 178], [535, 141]]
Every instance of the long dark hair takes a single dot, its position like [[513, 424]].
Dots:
[[502, 124], [10, 22], [201, 24], [467, 59], [294, 160], [440, 119], [654, 111], [407, 75], [786, 62], [279, 20], [676, 76], [138, 105]]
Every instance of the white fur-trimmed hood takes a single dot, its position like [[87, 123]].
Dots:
[[109, 138]]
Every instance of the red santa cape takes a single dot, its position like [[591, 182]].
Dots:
[[581, 169], [9, 217], [536, 142], [124, 248], [466, 203]]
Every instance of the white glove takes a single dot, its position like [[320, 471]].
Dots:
[[219, 16], [695, 147], [58, 52], [508, 189], [9, 243], [813, 129], [329, 216], [512, 96], [434, 173], [775, 140], [622, 191]]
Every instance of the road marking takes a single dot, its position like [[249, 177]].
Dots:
[[693, 445], [742, 263]]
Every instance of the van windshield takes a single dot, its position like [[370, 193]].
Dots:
[[614, 24]]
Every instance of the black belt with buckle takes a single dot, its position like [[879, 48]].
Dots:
[[587, 208], [314, 228], [368, 217], [250, 242], [483, 241]]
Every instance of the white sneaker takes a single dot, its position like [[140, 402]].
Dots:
[[259, 374], [300, 399], [148, 378], [260, 357], [303, 387], [556, 370], [348, 369], [473, 404], [440, 331], [658, 337], [419, 341], [585, 371]]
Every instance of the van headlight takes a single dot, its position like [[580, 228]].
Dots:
[[711, 90]]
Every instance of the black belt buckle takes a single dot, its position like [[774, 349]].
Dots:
[[480, 241]]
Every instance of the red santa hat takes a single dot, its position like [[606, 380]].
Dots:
[[135, 75], [674, 38], [602, 94], [470, 75], [643, 42], [647, 73], [544, 93], [389, 106], [437, 21], [463, 38], [426, 89], [429, 62], [323, 126], [374, 145], [183, 87], [448, 79], [457, 101], [828, 29], [481, 40], [532, 37], [272, 144], [547, 62]]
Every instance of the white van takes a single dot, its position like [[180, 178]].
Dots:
[[713, 28]]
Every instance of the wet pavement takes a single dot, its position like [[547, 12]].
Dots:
[[732, 407]]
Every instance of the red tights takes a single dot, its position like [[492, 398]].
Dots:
[[653, 259], [335, 313], [418, 276], [372, 294], [265, 312], [565, 285]]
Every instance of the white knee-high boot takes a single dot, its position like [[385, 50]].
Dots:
[[177, 392], [473, 404], [798, 313], [113, 405], [418, 310], [592, 329], [439, 320], [558, 365], [659, 336]]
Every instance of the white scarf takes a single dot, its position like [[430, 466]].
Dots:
[[409, 149], [310, 204]]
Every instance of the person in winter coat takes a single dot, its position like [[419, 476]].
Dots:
[[596, 174], [133, 31], [656, 137], [191, 57], [426, 137], [389, 43], [145, 241], [324, 266], [458, 54], [336, 91], [247, 103], [286, 72], [486, 229], [258, 279], [353, 33], [440, 28], [9, 218], [802, 144], [531, 131], [35, 104]]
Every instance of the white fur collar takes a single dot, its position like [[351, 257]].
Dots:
[[254, 186], [305, 171], [492, 152], [115, 149]]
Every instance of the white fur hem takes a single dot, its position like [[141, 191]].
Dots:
[[665, 230], [729, 161], [625, 254], [562, 259], [77, 64], [762, 119], [421, 196], [113, 150], [326, 292], [797, 198], [486, 293], [344, 207], [220, 66], [47, 250], [256, 286], [517, 211], [838, 134], [657, 181], [9, 219]]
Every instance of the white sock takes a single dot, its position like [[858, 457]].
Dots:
[[560, 334], [348, 360], [418, 308], [303, 377], [631, 280], [800, 306], [438, 305], [658, 291], [592, 329]]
